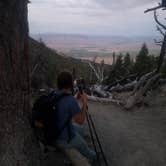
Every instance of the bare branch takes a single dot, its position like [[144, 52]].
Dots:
[[154, 8], [160, 30], [158, 22], [98, 70], [93, 68], [158, 43]]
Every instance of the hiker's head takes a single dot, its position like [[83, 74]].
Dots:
[[65, 81]]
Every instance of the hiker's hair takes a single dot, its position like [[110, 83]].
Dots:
[[65, 80]]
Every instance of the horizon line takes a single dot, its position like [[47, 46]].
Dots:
[[90, 35]]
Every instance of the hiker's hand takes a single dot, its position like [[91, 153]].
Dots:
[[83, 98]]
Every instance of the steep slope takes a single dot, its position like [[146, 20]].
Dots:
[[46, 63]]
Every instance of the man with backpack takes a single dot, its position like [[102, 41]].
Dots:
[[64, 112], [68, 108]]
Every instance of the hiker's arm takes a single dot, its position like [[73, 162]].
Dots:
[[81, 116]]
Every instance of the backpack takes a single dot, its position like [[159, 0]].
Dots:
[[43, 118]]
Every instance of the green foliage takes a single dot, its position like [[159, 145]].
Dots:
[[119, 62], [144, 50], [127, 60], [124, 67], [144, 62], [119, 66], [117, 70], [128, 64]]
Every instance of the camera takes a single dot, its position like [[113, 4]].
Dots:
[[81, 85]]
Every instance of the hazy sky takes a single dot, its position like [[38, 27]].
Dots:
[[96, 17]]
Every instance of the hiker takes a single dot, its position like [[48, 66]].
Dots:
[[68, 108]]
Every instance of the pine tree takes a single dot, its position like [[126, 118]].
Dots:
[[142, 60], [119, 67], [113, 58], [119, 62], [127, 63], [144, 50]]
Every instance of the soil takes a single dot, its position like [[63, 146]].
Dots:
[[54, 158], [135, 138]]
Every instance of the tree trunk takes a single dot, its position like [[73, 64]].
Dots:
[[17, 146]]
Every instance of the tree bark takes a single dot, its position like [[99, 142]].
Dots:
[[17, 145]]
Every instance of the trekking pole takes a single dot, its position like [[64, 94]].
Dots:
[[92, 138], [98, 141], [89, 119], [91, 132]]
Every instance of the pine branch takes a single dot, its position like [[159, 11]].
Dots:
[[159, 43]]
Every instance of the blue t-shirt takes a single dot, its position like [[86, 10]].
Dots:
[[67, 108]]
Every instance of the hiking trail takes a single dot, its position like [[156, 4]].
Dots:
[[135, 138]]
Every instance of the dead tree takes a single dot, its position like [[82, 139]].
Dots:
[[161, 28], [16, 138], [98, 70], [145, 84], [161, 5], [147, 81]]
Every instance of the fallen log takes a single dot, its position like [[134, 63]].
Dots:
[[143, 80], [150, 82], [123, 81], [138, 96], [127, 87], [98, 91], [104, 100]]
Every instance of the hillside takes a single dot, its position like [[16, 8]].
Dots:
[[47, 63]]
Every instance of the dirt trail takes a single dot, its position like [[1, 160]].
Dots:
[[136, 138]]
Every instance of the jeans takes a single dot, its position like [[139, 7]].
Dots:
[[79, 143]]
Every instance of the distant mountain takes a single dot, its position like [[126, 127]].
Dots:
[[86, 47]]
